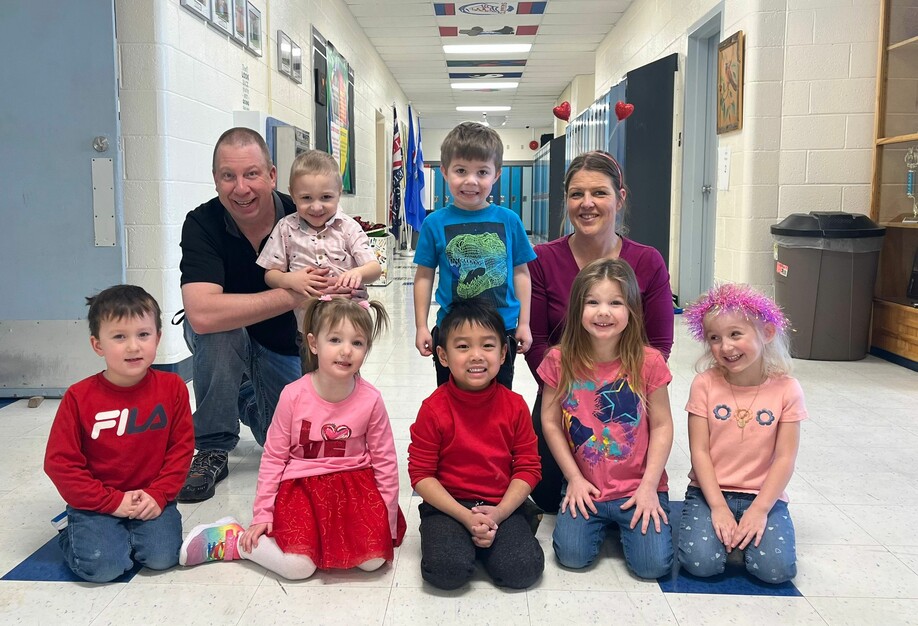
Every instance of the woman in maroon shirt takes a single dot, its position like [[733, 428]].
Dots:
[[595, 191]]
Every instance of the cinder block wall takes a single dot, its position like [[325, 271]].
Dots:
[[181, 80]]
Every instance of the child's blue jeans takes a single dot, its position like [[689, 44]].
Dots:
[[99, 547], [577, 540], [701, 553]]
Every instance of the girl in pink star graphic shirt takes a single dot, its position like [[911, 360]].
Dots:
[[327, 495]]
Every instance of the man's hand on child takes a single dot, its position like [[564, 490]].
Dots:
[[647, 507], [523, 338], [724, 525], [751, 527], [579, 496], [423, 341], [307, 281], [249, 538]]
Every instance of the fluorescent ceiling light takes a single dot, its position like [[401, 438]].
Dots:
[[483, 109], [488, 48], [478, 85]]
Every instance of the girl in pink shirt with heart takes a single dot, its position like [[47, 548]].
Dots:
[[327, 495], [744, 430]]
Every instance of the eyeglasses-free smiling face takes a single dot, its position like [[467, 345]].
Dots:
[[593, 203], [473, 355], [470, 182], [245, 183], [316, 197], [340, 351], [605, 316], [736, 347], [128, 345]]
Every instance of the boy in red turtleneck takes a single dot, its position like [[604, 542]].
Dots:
[[474, 459]]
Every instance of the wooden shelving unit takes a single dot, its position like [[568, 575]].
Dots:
[[895, 319]]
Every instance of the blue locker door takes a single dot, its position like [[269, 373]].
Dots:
[[439, 188], [505, 187], [516, 190]]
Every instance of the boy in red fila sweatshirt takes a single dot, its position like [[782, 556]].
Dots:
[[121, 444]]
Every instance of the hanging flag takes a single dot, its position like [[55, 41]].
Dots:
[[395, 198], [419, 168], [414, 208]]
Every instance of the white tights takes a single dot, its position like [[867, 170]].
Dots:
[[291, 566]]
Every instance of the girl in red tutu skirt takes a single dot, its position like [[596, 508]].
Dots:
[[327, 493]]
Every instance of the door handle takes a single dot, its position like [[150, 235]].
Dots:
[[706, 189]]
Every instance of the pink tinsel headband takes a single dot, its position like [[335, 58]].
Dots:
[[733, 298]]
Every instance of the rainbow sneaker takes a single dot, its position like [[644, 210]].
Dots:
[[211, 542]]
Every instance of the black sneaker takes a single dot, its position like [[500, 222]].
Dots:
[[208, 467]]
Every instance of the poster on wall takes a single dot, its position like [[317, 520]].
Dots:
[[340, 141]]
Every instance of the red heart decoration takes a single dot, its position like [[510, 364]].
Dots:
[[330, 432], [563, 111], [623, 110]]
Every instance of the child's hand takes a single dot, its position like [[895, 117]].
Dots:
[[482, 528], [308, 281], [490, 511], [249, 538], [579, 495], [523, 338], [145, 507], [724, 525], [751, 526], [126, 508], [350, 279], [423, 341], [646, 505]]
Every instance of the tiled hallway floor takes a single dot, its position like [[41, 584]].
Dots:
[[853, 498]]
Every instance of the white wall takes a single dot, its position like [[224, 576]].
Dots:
[[516, 142], [810, 78], [181, 81]]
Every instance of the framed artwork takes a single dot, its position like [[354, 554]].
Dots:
[[296, 67], [284, 53], [253, 24], [730, 54], [201, 8], [240, 35], [220, 15], [321, 86]]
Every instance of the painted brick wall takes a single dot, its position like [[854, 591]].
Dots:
[[181, 82], [808, 112]]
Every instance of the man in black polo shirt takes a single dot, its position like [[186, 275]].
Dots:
[[242, 333]]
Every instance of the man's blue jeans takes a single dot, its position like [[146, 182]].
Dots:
[[235, 379], [702, 554], [99, 547], [577, 540]]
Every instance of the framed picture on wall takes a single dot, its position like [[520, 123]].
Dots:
[[296, 67], [253, 24], [239, 17], [730, 83], [201, 8], [284, 53], [221, 15]]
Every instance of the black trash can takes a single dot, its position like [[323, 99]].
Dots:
[[825, 271]]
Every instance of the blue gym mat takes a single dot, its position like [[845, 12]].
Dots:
[[734, 581], [47, 565]]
